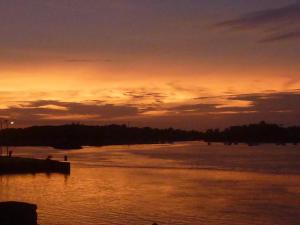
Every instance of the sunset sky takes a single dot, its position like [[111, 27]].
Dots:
[[191, 64]]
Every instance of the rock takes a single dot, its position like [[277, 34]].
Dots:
[[18, 213]]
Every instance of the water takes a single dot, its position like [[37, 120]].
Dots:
[[184, 183]]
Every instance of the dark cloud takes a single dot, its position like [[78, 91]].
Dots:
[[273, 102], [154, 97], [277, 24], [282, 102], [281, 107], [196, 108], [40, 110]]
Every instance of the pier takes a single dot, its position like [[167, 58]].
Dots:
[[17, 165]]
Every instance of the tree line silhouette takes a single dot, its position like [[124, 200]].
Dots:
[[255, 134], [76, 135]]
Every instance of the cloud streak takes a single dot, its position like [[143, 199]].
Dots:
[[87, 60], [282, 37], [280, 102], [50, 109], [271, 106], [277, 24]]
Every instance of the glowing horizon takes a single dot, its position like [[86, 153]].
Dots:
[[155, 64]]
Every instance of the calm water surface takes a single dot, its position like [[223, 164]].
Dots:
[[183, 183]]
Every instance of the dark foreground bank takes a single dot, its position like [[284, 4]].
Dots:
[[12, 165], [18, 213]]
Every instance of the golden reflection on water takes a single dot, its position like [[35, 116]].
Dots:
[[96, 195]]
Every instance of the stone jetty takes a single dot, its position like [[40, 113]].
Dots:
[[16, 165]]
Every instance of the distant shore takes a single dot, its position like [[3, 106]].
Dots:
[[74, 136], [254, 134]]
